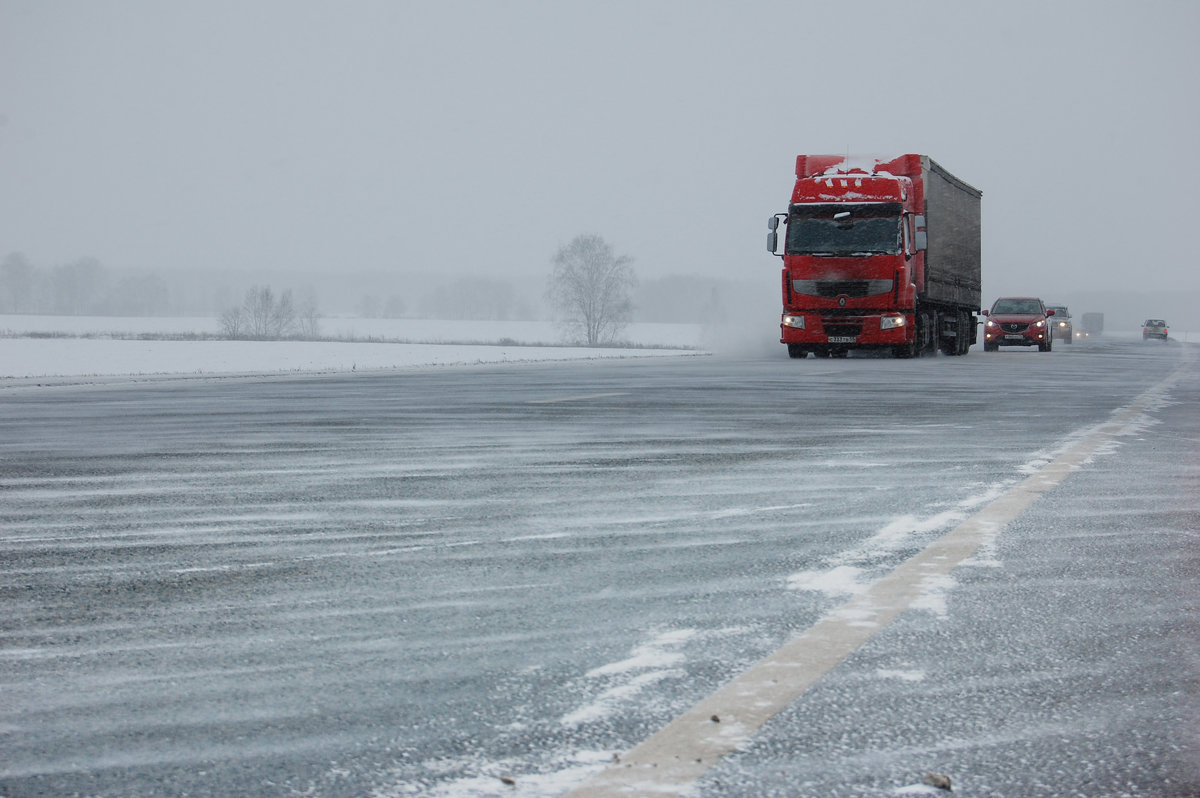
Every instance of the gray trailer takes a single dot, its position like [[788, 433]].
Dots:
[[953, 270], [1091, 324]]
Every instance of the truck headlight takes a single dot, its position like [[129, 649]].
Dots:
[[793, 321], [891, 322]]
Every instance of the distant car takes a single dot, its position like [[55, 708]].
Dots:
[[1155, 328], [1018, 321], [1064, 329]]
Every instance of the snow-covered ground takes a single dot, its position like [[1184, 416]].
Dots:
[[113, 346]]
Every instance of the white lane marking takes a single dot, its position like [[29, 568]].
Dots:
[[670, 761], [581, 398]]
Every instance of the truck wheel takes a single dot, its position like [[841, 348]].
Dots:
[[797, 351], [965, 322]]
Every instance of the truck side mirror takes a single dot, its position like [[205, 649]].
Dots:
[[922, 238], [773, 236]]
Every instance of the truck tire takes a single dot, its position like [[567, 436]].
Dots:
[[965, 322], [926, 338], [797, 351]]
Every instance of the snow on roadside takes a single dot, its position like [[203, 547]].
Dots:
[[101, 354]]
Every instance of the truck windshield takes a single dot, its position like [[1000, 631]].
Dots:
[[844, 229]]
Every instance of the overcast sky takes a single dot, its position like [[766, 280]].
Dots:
[[478, 137]]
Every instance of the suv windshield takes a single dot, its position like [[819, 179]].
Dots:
[[844, 229], [1024, 306]]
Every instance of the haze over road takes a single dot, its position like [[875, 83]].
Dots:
[[425, 582]]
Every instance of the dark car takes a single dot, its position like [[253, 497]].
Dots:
[[1155, 328], [1018, 321], [1064, 329]]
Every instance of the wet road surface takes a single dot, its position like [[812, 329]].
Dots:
[[492, 580]]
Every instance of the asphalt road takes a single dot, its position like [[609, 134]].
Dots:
[[498, 580]]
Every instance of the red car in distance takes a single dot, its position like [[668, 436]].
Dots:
[[1018, 321]]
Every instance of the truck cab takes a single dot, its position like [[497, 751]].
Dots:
[[855, 246]]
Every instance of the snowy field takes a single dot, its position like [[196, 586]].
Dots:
[[33, 347], [112, 346]]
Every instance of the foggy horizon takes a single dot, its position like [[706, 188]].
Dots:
[[475, 139]]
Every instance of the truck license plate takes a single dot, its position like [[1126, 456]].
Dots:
[[1014, 337], [842, 339]]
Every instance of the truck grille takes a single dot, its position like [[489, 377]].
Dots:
[[842, 327], [835, 288]]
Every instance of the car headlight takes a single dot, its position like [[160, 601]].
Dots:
[[795, 322], [891, 322], [991, 324], [1040, 323]]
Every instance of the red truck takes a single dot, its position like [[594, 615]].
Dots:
[[878, 254]]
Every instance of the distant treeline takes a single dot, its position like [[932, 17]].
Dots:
[[86, 287], [81, 287]]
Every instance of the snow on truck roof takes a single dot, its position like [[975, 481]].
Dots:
[[879, 165]]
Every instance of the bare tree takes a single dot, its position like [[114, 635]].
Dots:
[[233, 323], [263, 317], [590, 289], [308, 320]]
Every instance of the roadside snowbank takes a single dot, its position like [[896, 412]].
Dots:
[[103, 346]]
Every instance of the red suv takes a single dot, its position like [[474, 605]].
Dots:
[[1018, 321]]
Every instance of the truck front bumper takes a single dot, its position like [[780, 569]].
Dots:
[[846, 331]]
